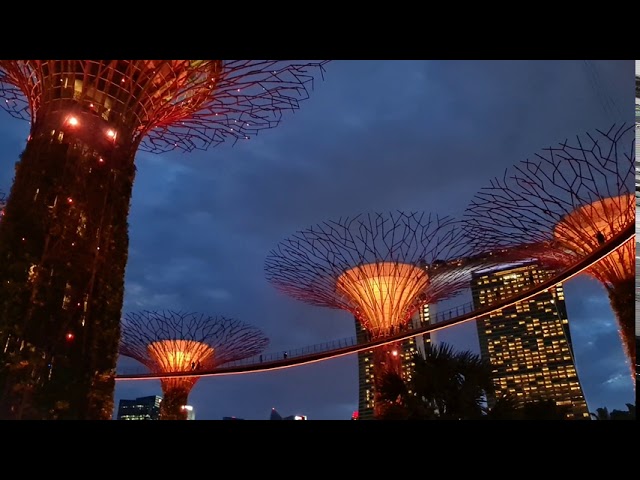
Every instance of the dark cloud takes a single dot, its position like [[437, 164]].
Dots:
[[600, 360], [375, 135]]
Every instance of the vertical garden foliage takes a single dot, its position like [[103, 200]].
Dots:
[[63, 253]]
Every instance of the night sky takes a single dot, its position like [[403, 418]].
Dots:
[[374, 136]]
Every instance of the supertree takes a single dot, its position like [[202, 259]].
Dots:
[[562, 206], [380, 267], [64, 236], [183, 342]]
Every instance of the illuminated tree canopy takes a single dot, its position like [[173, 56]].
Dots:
[[168, 104], [171, 341], [563, 205], [380, 267], [64, 234], [181, 342]]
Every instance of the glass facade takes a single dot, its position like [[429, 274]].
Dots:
[[528, 344], [142, 408]]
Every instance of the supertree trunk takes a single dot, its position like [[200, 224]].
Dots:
[[175, 398], [63, 241], [63, 253], [386, 359], [622, 298]]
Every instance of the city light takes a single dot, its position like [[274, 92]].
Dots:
[[473, 316], [87, 107], [166, 343]]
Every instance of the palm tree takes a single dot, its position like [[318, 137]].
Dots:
[[630, 414], [506, 407], [454, 385], [446, 384], [400, 402], [603, 413]]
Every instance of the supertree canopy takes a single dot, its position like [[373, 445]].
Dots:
[[563, 205], [64, 235], [183, 342], [379, 267]]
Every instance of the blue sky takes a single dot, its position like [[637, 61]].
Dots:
[[374, 136]]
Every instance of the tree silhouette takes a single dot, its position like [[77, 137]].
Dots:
[[445, 384]]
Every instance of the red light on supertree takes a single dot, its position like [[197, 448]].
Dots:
[[562, 206], [380, 267], [88, 120], [185, 342]]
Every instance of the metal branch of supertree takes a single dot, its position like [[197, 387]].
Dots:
[[89, 118], [171, 341], [380, 267], [561, 205], [167, 104]]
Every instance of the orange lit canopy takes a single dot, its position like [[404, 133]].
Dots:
[[180, 355], [135, 94], [586, 228], [384, 293], [579, 230]]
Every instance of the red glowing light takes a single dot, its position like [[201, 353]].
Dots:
[[70, 200], [111, 133], [73, 121], [394, 353], [70, 336]]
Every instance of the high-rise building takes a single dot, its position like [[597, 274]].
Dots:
[[142, 408], [408, 348], [528, 344]]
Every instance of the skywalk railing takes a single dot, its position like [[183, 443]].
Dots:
[[321, 347], [443, 320]]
